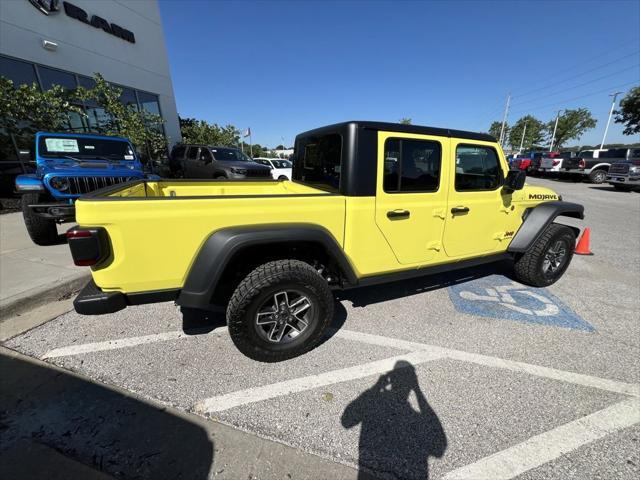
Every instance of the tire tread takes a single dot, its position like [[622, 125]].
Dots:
[[254, 283]]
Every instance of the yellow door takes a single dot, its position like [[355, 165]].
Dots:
[[478, 211], [412, 195]]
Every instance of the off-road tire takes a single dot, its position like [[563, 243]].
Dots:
[[598, 176], [41, 230], [264, 281], [528, 266]]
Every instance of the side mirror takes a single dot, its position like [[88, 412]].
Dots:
[[515, 180]]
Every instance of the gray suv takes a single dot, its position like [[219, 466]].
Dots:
[[203, 161]]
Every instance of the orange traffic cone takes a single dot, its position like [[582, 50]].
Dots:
[[582, 248]]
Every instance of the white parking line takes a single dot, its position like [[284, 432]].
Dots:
[[495, 362], [257, 394], [116, 344], [550, 445]]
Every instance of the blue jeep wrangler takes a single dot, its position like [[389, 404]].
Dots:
[[68, 165]]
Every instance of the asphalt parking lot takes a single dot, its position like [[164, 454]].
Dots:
[[465, 375]]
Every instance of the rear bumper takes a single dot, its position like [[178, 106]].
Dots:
[[94, 301]]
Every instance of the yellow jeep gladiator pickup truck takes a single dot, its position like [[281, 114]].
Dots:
[[369, 202]]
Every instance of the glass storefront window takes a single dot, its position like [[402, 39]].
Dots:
[[19, 72], [149, 102], [128, 97], [50, 77]]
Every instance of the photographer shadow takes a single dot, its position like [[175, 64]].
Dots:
[[394, 436]]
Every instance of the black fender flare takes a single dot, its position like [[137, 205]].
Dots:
[[221, 247], [538, 219]]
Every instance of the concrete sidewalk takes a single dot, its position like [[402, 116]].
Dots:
[[31, 275]]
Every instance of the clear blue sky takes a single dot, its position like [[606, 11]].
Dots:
[[285, 67]]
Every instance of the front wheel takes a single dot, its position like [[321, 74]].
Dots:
[[279, 311], [598, 176], [42, 230], [548, 258]]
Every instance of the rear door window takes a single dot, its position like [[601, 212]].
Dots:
[[193, 153], [411, 165]]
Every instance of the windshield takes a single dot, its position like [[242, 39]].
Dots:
[[81, 148], [229, 155], [281, 163]]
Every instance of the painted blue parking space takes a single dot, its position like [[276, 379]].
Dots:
[[496, 296]]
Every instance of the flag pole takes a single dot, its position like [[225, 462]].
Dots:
[[250, 144]]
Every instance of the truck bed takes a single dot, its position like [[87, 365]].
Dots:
[[172, 188], [156, 228]]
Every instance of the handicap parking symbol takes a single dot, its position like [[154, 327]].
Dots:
[[498, 297]]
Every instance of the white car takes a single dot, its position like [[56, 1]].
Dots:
[[280, 169]]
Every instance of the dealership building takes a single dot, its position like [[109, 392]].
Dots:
[[58, 42]]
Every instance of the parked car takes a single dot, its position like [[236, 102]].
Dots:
[[270, 253], [204, 161], [280, 169], [626, 175], [550, 162], [69, 165], [532, 161], [595, 164]]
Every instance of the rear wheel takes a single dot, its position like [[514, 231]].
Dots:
[[279, 311], [598, 176], [42, 230], [548, 258]]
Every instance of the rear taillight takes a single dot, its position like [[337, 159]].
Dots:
[[556, 163], [89, 246], [582, 163]]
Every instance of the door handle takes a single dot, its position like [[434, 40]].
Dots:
[[459, 210], [398, 214]]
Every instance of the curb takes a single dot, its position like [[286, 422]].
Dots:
[[38, 296]]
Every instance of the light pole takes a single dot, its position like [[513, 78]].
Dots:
[[613, 104], [504, 120], [522, 141], [553, 137], [282, 138]]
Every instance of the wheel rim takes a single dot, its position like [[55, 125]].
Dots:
[[554, 259], [599, 177], [283, 316]]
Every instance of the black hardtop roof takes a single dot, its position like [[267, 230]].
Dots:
[[399, 127]]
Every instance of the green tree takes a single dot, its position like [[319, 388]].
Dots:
[[571, 125], [629, 113], [405, 121], [496, 127], [201, 131], [141, 127], [534, 134], [26, 109]]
